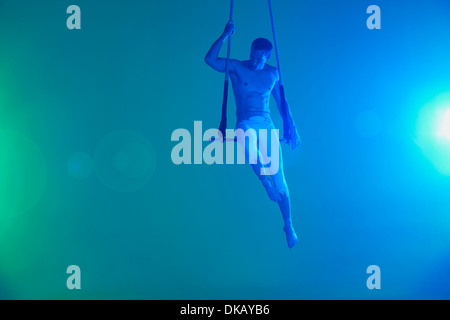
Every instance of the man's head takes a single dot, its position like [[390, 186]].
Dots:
[[260, 52]]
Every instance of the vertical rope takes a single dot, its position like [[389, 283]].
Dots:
[[275, 43], [229, 42], [282, 95], [223, 121]]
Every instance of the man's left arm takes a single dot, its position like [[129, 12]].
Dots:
[[293, 138]]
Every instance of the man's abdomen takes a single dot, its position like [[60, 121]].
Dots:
[[252, 106]]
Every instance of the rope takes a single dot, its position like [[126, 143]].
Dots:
[[275, 43], [229, 42], [223, 121], [282, 95]]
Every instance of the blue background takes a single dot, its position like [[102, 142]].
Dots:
[[86, 118]]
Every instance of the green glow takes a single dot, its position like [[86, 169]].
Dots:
[[23, 174]]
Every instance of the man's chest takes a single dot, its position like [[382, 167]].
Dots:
[[254, 81]]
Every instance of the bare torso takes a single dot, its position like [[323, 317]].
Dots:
[[252, 88]]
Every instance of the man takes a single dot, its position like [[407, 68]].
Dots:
[[253, 81]]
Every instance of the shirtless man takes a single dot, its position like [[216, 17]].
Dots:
[[253, 81]]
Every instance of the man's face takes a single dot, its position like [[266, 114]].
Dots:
[[258, 58]]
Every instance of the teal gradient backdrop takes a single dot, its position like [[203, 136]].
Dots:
[[87, 179]]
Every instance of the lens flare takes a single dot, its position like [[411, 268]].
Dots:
[[433, 132], [443, 124]]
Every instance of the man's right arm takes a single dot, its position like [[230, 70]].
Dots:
[[212, 57]]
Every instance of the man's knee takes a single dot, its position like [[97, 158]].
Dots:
[[277, 193], [282, 193]]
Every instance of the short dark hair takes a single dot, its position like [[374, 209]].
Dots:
[[262, 44]]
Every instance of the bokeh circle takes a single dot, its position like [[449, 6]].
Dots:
[[125, 161], [80, 165]]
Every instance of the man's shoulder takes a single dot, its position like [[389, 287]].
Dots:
[[247, 62], [236, 65], [273, 70]]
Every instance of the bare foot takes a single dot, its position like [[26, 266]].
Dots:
[[291, 236]]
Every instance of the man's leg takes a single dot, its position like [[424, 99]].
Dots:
[[253, 156], [267, 182], [284, 202], [275, 184], [280, 193]]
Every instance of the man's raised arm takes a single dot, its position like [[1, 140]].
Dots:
[[212, 57]]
